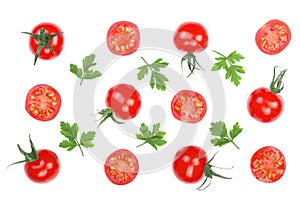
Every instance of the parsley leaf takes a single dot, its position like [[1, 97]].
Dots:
[[157, 79], [154, 138], [85, 72], [219, 130], [71, 133], [228, 63]]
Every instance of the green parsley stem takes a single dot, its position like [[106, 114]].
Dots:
[[141, 144], [147, 64], [235, 144]]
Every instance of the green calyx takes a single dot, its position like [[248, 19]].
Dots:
[[43, 40], [29, 157], [209, 174], [107, 113], [277, 85], [191, 62]]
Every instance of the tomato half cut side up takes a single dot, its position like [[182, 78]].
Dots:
[[43, 102], [268, 164], [121, 167], [188, 106], [123, 38], [273, 37]]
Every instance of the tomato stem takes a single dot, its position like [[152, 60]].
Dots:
[[191, 61], [107, 113], [277, 85], [43, 40], [29, 157], [209, 174]]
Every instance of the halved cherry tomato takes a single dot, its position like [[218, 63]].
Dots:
[[273, 37], [188, 106], [268, 164], [46, 41], [43, 102], [123, 38], [121, 167]]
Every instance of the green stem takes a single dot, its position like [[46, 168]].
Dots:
[[219, 53], [141, 144], [147, 64], [81, 80], [234, 144], [78, 144]]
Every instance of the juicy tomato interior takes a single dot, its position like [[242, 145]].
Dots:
[[188, 164], [124, 100], [268, 164], [45, 169], [188, 106], [123, 38], [273, 37], [265, 106], [56, 42], [121, 167], [43, 102], [191, 37]]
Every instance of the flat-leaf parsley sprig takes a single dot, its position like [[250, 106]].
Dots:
[[157, 79], [219, 130], [228, 63], [154, 138], [85, 72], [71, 133]]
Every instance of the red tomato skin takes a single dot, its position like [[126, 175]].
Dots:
[[191, 37], [265, 106], [123, 39], [177, 113], [56, 43], [268, 27], [268, 160], [188, 164], [131, 175], [45, 169], [124, 100], [56, 108]]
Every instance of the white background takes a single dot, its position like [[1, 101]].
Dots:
[[231, 26]]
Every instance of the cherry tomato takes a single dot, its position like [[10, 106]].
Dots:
[[43, 36], [268, 164], [273, 37], [266, 105], [189, 162], [45, 169], [123, 38], [188, 106], [43, 102], [124, 100], [121, 167], [191, 37]]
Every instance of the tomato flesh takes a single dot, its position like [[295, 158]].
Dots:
[[268, 164], [45, 169], [188, 106], [123, 38], [273, 37], [56, 42], [121, 167], [191, 37], [43, 102], [124, 100], [265, 106], [188, 164]]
